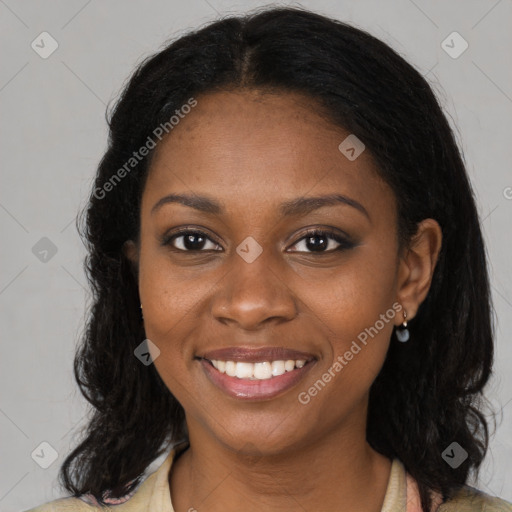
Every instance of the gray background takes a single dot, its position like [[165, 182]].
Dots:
[[54, 133]]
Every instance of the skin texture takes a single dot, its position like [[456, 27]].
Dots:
[[250, 152]]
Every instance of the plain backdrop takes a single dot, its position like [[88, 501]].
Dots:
[[53, 134]]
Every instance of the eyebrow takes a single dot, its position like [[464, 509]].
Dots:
[[298, 206]]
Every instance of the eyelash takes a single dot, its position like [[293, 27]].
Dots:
[[344, 243]]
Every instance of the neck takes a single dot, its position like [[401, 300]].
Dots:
[[338, 472]]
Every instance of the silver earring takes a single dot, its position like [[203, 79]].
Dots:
[[402, 333], [141, 311]]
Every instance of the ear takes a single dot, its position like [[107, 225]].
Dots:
[[417, 266], [131, 252]]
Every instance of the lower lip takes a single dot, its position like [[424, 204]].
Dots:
[[246, 389]]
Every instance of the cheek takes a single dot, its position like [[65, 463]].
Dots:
[[353, 308], [170, 295], [169, 298], [352, 296]]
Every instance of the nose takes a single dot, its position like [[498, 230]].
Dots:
[[252, 295]]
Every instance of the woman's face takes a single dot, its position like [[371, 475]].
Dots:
[[253, 286]]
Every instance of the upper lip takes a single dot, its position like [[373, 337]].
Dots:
[[256, 355]]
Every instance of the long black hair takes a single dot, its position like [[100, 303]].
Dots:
[[429, 391]]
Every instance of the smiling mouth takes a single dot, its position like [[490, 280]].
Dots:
[[262, 370], [255, 374]]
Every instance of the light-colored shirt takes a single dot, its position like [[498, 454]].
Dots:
[[153, 495]]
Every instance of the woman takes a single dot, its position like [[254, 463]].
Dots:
[[291, 292]]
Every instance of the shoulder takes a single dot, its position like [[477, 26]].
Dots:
[[65, 505], [151, 494], [133, 502], [469, 499]]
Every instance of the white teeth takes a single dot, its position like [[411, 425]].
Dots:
[[289, 365], [244, 370], [261, 371], [277, 368], [231, 368]]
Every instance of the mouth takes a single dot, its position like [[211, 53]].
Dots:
[[256, 374]]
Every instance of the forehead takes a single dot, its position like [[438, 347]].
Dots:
[[259, 147]]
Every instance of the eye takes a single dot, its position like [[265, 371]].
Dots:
[[322, 241], [189, 241], [319, 241]]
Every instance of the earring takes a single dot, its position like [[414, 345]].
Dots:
[[402, 333], [141, 312]]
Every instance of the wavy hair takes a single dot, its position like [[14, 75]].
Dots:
[[428, 392]]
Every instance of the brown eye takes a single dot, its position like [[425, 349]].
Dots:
[[322, 241], [189, 241]]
